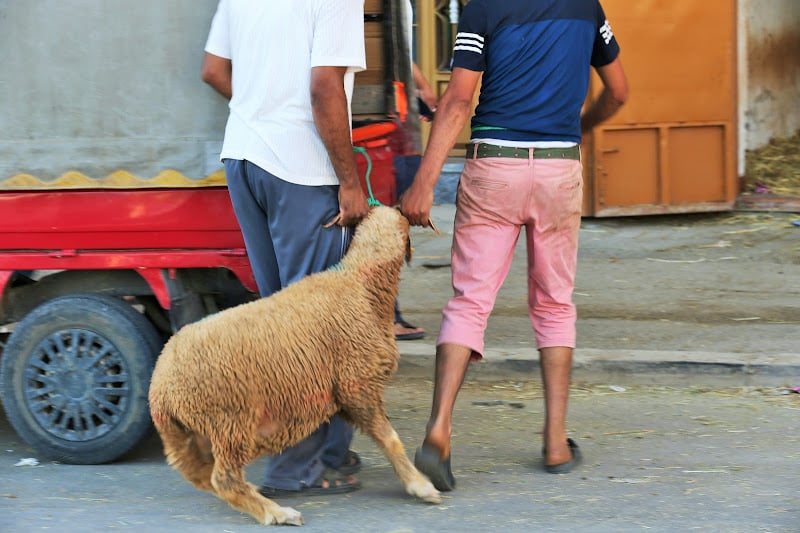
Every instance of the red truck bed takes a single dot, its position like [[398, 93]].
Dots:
[[135, 219], [142, 229]]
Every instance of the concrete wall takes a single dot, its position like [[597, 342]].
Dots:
[[769, 70], [100, 86]]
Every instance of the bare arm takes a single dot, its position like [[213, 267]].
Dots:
[[455, 108], [217, 72], [424, 90], [331, 117], [610, 99]]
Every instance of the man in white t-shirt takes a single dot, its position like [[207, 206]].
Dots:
[[287, 69]]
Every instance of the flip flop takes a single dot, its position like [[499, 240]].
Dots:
[[438, 471], [417, 333], [337, 484], [566, 468]]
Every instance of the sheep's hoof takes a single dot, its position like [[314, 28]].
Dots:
[[285, 515], [424, 490]]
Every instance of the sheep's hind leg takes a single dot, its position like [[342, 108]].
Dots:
[[185, 453], [375, 423], [230, 485]]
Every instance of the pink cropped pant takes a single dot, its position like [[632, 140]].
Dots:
[[496, 198]]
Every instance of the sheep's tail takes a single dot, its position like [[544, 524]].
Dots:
[[186, 451]]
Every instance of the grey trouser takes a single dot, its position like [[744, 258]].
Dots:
[[282, 227]]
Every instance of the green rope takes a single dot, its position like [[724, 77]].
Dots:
[[363, 151], [371, 200]]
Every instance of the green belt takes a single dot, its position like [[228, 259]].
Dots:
[[490, 150]]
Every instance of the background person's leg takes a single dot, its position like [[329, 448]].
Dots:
[[403, 331], [405, 167]]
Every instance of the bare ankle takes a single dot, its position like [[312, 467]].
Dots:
[[439, 439]]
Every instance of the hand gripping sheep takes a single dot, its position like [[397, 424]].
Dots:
[[260, 377]]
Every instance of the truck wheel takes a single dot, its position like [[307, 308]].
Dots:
[[75, 374]]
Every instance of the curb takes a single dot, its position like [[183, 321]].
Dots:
[[626, 366], [767, 202]]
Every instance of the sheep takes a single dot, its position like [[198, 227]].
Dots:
[[259, 377]]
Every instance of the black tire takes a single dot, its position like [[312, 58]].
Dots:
[[75, 374]]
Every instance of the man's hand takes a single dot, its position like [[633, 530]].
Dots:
[[353, 207], [416, 204], [424, 92]]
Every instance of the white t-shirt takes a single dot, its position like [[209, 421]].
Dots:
[[273, 44]]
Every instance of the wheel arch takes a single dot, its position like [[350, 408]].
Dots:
[[22, 294]]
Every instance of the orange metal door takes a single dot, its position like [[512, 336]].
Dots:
[[672, 147]]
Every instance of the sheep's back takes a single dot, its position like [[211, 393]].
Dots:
[[271, 352]]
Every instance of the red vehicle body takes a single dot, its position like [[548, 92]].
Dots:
[[96, 274], [92, 283], [144, 230]]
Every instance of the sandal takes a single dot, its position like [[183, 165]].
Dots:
[[411, 332], [566, 468], [329, 482], [351, 464], [438, 470]]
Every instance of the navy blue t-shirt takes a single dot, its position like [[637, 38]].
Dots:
[[535, 56]]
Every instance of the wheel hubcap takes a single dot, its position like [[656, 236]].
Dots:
[[76, 385]]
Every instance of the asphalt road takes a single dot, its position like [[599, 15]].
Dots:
[[656, 458], [688, 338]]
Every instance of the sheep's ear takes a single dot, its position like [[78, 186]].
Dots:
[[408, 249]]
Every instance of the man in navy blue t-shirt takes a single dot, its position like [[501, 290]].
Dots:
[[523, 169]]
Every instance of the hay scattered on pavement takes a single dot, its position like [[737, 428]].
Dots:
[[774, 168]]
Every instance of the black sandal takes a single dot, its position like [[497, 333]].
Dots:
[[335, 481], [566, 468], [438, 470]]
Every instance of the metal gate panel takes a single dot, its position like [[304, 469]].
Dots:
[[630, 156], [700, 178], [672, 147]]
